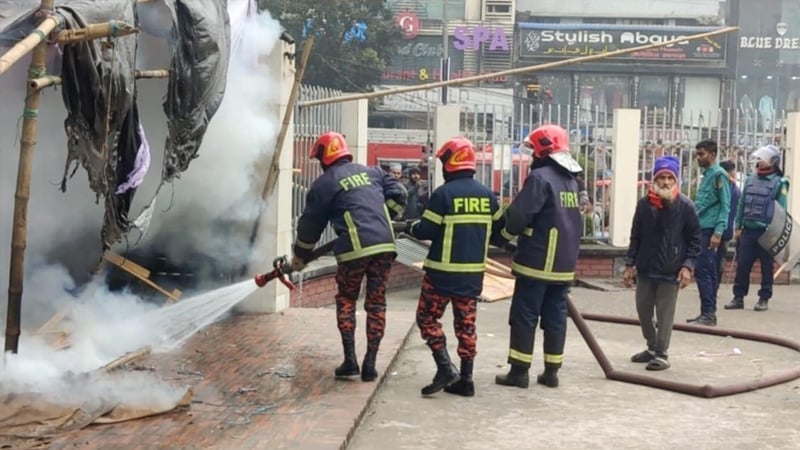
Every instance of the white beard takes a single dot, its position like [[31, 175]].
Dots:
[[666, 194]]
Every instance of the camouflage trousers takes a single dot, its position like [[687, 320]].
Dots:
[[430, 309], [348, 280]]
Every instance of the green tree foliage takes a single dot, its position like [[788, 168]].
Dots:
[[348, 66]]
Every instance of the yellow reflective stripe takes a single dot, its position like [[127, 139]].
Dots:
[[447, 243], [552, 245], [497, 215], [528, 232], [506, 235], [389, 220], [542, 274], [396, 207], [432, 216], [553, 359], [352, 231], [366, 251], [519, 356], [304, 245], [467, 219], [454, 267]]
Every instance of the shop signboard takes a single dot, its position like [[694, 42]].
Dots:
[[572, 40]]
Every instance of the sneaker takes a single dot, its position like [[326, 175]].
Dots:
[[659, 362], [706, 319], [736, 303], [694, 319], [761, 305], [643, 356]]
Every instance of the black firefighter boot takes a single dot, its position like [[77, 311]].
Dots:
[[464, 387], [517, 376], [549, 377], [368, 372], [446, 374], [349, 367]]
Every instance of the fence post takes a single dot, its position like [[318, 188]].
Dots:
[[793, 161], [447, 124], [274, 236], [354, 128], [624, 164]]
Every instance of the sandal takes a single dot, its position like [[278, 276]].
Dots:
[[658, 363]]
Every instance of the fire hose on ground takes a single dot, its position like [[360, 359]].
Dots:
[[282, 268]]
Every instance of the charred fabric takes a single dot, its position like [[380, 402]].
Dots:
[[104, 133]]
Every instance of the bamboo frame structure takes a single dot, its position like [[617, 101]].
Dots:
[[19, 233], [35, 43], [53, 80], [516, 71], [272, 175]]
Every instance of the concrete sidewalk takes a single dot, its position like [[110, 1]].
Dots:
[[589, 411]]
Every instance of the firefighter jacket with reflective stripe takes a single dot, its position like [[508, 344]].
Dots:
[[458, 220], [546, 216], [757, 202], [357, 201]]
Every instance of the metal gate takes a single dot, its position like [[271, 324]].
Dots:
[[309, 123]]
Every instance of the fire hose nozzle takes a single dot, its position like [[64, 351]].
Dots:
[[261, 280], [280, 269]]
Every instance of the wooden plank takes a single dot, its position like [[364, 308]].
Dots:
[[141, 273]]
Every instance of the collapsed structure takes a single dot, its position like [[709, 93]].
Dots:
[[104, 132]]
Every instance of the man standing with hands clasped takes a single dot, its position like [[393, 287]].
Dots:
[[665, 240], [713, 203]]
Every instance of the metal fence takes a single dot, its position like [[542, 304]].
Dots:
[[309, 123], [497, 131]]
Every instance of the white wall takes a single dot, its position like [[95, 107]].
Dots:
[[621, 8]]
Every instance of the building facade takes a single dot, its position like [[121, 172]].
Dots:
[[686, 76], [767, 59]]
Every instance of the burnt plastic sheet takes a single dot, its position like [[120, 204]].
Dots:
[[99, 92], [198, 73]]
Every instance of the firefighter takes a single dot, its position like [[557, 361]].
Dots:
[[545, 215], [457, 220], [360, 203]]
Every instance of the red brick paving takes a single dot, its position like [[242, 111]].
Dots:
[[287, 359]]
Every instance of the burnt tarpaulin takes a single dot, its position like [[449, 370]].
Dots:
[[99, 92], [198, 73]]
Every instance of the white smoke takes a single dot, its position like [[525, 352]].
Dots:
[[63, 229]]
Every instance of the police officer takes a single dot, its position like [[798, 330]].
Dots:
[[753, 215], [458, 221], [546, 216], [357, 200]]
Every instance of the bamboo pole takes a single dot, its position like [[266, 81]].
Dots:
[[112, 28], [516, 71], [25, 46], [272, 175], [53, 80], [19, 233]]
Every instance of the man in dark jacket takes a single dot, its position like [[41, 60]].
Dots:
[[357, 200], [546, 216], [458, 221], [665, 241]]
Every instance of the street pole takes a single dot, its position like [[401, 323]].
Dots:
[[445, 67]]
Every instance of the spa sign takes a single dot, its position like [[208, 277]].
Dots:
[[570, 41]]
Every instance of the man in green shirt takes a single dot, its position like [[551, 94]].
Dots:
[[713, 203], [753, 216]]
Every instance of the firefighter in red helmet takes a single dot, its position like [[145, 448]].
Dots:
[[545, 217], [458, 220], [360, 203]]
